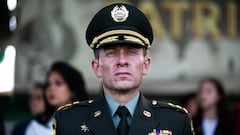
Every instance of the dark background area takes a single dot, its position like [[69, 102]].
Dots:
[[15, 107]]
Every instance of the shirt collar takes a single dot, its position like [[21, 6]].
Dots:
[[113, 105]]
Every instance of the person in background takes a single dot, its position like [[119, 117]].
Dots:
[[190, 103], [41, 112], [64, 85], [237, 121], [213, 116], [2, 127]]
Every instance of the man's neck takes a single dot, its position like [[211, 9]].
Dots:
[[121, 97]]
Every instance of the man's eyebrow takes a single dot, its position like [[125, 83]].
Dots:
[[109, 48]]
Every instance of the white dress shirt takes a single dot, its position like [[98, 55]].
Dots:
[[35, 128], [209, 126]]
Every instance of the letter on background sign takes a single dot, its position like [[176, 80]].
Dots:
[[206, 23], [231, 19], [150, 10], [176, 9]]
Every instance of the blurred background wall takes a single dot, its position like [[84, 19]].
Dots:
[[192, 40]]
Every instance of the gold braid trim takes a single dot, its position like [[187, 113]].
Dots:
[[135, 37]]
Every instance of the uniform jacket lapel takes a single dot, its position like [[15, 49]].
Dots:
[[100, 121], [144, 118], [101, 124]]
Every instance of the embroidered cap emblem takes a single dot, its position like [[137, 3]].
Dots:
[[119, 13]]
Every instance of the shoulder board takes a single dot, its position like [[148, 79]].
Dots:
[[178, 107], [169, 105], [73, 104]]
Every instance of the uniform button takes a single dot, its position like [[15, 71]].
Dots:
[[90, 101], [154, 102]]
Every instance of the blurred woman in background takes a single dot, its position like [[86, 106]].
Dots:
[[64, 85], [41, 112], [213, 116]]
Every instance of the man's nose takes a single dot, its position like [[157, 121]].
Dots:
[[122, 59]]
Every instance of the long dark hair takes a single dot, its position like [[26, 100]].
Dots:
[[222, 108], [73, 79]]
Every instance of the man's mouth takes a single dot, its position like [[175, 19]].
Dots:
[[122, 74]]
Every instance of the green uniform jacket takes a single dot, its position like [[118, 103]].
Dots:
[[93, 118]]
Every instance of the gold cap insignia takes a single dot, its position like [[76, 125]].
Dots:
[[119, 13]]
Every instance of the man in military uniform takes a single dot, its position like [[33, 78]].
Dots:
[[120, 36]]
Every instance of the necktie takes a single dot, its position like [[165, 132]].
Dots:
[[123, 126]]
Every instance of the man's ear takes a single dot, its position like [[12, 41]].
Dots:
[[96, 68], [147, 61]]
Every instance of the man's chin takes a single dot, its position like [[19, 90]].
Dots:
[[124, 86], [123, 90]]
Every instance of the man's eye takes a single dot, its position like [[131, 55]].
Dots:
[[111, 53], [132, 52]]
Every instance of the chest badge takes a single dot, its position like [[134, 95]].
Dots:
[[119, 13], [84, 128]]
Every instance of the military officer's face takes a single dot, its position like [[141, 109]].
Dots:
[[121, 67]]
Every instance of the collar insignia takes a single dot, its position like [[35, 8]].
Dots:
[[119, 13], [147, 114], [97, 113]]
